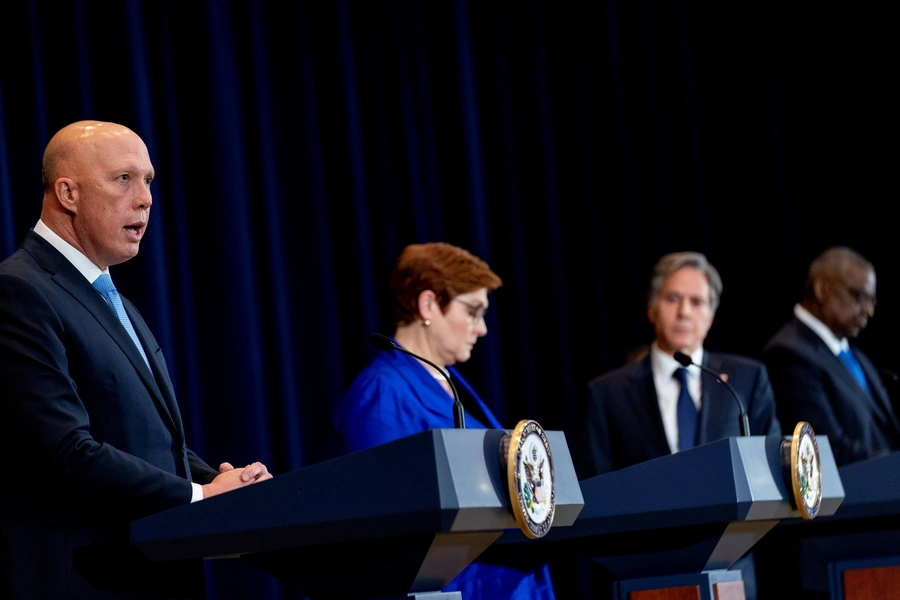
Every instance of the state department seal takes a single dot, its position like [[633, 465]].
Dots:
[[530, 478], [806, 475]]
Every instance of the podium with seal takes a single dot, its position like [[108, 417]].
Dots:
[[853, 554], [670, 528], [408, 515]]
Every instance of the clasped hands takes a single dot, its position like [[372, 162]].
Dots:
[[230, 478]]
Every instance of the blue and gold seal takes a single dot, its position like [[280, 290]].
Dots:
[[531, 478], [800, 457]]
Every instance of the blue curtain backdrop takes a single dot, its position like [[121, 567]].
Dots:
[[299, 146]]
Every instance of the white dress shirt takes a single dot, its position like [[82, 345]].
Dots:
[[668, 388], [90, 272], [822, 330]]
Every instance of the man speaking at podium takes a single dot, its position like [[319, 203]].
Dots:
[[92, 430]]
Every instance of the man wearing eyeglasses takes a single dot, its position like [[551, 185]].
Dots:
[[819, 376]]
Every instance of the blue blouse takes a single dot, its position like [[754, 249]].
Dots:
[[395, 396]]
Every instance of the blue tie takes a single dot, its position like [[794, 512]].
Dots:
[[104, 285], [854, 367], [687, 413]]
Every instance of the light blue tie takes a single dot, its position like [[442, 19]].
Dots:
[[854, 367], [104, 285], [687, 413]]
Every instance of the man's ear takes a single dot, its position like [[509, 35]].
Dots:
[[66, 194], [651, 313], [818, 286]]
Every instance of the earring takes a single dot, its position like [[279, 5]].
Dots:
[[427, 322]]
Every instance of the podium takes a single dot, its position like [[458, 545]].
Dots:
[[850, 555], [398, 520], [680, 521]]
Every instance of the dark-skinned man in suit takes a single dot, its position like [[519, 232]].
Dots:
[[812, 359]]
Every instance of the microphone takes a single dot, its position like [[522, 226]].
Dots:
[[686, 361], [383, 342]]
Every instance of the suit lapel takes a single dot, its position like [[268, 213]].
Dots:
[[837, 371], [845, 379], [73, 282], [715, 409], [646, 404], [167, 399], [882, 404]]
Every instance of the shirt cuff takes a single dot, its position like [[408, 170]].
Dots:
[[196, 492]]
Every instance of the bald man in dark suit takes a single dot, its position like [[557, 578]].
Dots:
[[91, 424], [813, 357]]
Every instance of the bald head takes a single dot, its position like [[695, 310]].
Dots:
[[836, 262], [96, 177], [74, 143], [840, 290]]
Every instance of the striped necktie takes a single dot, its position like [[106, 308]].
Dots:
[[104, 285]]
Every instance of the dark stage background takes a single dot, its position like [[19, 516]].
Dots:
[[299, 146]]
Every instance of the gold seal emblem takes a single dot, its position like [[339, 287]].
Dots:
[[530, 478], [806, 476]]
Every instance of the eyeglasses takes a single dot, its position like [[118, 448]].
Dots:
[[476, 311], [860, 296]]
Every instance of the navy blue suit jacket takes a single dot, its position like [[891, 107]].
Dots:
[[813, 385], [624, 426], [93, 438]]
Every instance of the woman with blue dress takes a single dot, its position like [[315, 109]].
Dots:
[[439, 298]]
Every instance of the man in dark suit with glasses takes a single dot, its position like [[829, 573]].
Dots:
[[819, 375]]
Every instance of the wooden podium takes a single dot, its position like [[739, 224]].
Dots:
[[408, 516], [853, 554], [670, 528]]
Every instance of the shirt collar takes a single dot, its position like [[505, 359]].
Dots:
[[822, 330], [74, 256], [661, 362]]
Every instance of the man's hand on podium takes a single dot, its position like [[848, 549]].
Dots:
[[230, 478]]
